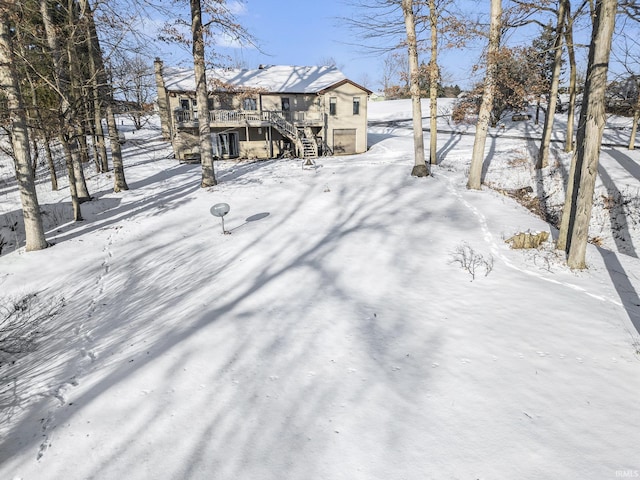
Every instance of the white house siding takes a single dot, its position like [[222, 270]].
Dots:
[[344, 119], [297, 102]]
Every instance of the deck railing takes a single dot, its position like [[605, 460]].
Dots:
[[241, 117], [234, 116], [186, 116]]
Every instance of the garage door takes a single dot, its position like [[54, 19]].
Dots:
[[344, 141]]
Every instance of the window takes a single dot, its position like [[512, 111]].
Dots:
[[333, 104], [356, 105], [184, 104], [249, 104], [286, 106], [210, 103], [225, 145]]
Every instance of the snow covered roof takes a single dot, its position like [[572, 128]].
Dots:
[[273, 78]]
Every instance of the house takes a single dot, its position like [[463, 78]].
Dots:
[[377, 97], [265, 113]]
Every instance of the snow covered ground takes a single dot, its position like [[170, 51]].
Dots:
[[333, 334]]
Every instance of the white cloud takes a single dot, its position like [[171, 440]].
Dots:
[[237, 8]]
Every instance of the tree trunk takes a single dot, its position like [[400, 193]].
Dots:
[[34, 230], [68, 160], [202, 97], [97, 69], [119, 181], [482, 126], [589, 138], [547, 131], [96, 75], [36, 154], [78, 172], [45, 140], [163, 101], [34, 140], [434, 75], [571, 112], [78, 140], [94, 145], [563, 234], [99, 145], [83, 145], [50, 163], [59, 75], [78, 166], [420, 167], [634, 128]]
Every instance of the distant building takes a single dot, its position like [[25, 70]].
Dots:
[[265, 113]]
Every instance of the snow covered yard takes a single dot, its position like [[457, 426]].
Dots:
[[333, 334]]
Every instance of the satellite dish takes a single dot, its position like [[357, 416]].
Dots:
[[220, 210]]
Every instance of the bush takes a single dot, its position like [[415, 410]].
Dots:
[[471, 261], [21, 323]]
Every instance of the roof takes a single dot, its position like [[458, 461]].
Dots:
[[273, 78]]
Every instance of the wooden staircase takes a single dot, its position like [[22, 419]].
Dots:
[[309, 148], [304, 141]]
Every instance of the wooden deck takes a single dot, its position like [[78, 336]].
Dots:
[[243, 118]]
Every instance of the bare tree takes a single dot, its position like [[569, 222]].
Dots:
[[101, 80], [571, 54], [434, 72], [40, 122], [59, 85], [330, 62], [576, 215], [482, 126], [364, 79], [202, 96], [134, 82], [420, 167], [208, 18], [628, 57], [18, 132], [73, 37], [389, 71], [515, 79], [96, 76], [377, 26], [543, 154]]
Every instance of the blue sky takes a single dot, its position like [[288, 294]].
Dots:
[[301, 32]]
